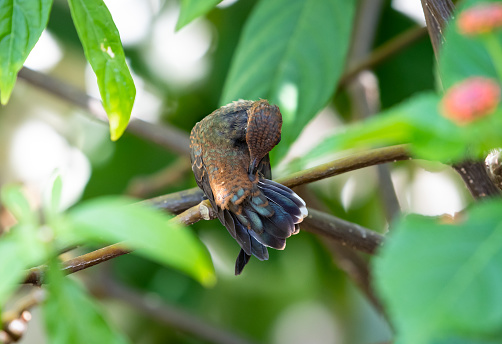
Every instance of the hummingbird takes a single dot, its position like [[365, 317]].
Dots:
[[229, 151]]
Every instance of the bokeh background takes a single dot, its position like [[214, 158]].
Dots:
[[300, 295]]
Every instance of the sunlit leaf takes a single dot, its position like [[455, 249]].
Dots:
[[191, 9], [292, 53], [21, 24], [146, 230], [103, 50], [442, 281], [71, 316]]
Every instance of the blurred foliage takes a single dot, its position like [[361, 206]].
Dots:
[[421, 119], [440, 279], [397, 81]]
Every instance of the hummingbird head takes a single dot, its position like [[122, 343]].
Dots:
[[263, 131]]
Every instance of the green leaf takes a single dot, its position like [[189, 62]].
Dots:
[[442, 281], [52, 199], [292, 53], [71, 316], [14, 200], [21, 24], [114, 219], [20, 249], [103, 50], [466, 56], [191, 9]]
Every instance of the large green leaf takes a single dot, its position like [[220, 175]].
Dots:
[[103, 50], [442, 281], [292, 53], [466, 56], [71, 316], [114, 219], [191, 9], [21, 24]]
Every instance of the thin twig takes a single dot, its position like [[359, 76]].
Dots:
[[345, 232], [354, 162], [36, 275], [145, 186], [384, 53], [164, 135], [14, 322], [357, 269], [176, 202], [168, 314]]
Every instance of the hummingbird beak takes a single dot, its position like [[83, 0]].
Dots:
[[253, 166]]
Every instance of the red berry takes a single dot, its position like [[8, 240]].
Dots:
[[479, 19], [471, 99]]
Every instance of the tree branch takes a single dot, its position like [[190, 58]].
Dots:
[[345, 232], [354, 162], [176, 202]]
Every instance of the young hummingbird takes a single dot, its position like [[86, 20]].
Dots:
[[229, 153]]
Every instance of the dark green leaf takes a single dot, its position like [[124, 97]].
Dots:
[[71, 316], [21, 24], [291, 53], [191, 9], [443, 280], [149, 231], [103, 50]]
